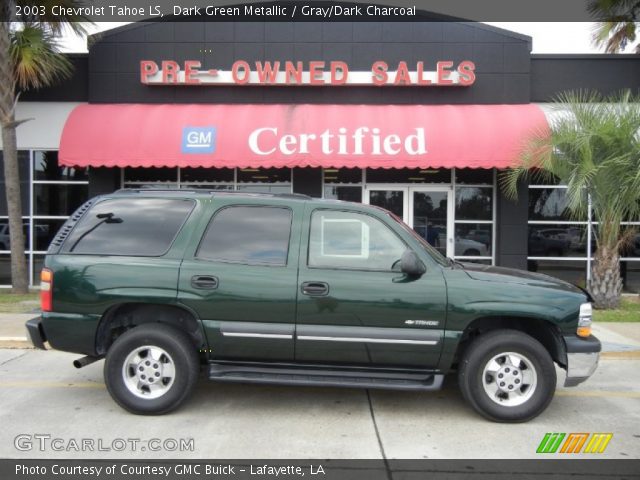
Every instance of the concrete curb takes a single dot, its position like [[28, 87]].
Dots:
[[15, 342]]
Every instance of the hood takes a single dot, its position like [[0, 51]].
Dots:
[[488, 273]]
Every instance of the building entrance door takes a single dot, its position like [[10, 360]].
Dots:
[[426, 209]]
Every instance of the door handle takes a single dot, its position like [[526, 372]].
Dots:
[[204, 282], [315, 289]]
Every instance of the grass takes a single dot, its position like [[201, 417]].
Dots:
[[629, 311], [10, 303]]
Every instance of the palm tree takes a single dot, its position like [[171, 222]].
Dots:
[[29, 58], [592, 146], [616, 25]]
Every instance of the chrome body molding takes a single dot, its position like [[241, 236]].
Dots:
[[367, 340], [257, 335]]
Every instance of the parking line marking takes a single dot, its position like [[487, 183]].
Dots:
[[596, 393], [624, 355]]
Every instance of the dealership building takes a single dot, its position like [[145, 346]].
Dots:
[[416, 117]]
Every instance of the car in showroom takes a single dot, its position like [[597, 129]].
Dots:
[[286, 289]]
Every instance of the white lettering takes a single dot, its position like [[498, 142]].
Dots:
[[361, 141], [415, 144], [389, 143], [253, 141]]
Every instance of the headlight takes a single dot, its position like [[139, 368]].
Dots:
[[584, 320]]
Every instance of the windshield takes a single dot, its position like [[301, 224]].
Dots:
[[435, 254]]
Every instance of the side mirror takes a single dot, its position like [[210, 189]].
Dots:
[[411, 265]]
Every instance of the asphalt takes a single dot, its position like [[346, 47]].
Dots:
[[42, 395]]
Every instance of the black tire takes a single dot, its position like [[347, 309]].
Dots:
[[491, 345], [471, 253], [179, 352]]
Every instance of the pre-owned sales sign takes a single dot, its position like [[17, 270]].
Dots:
[[314, 73]]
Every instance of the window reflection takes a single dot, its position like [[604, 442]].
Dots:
[[392, 200], [473, 239], [45, 167], [557, 240], [349, 194], [474, 203]]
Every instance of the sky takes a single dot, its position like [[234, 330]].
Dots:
[[548, 37]]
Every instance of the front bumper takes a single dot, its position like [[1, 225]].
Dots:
[[36, 333], [582, 358]]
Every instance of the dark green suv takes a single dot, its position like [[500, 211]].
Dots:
[[292, 290]]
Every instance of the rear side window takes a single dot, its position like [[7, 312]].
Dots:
[[251, 235], [141, 227]]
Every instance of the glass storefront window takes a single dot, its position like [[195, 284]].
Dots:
[[43, 233], [150, 175], [572, 271], [45, 167], [549, 204], [264, 175], [5, 269], [474, 176], [474, 203], [408, 175], [557, 240], [23, 169], [58, 199], [342, 175], [632, 248], [207, 175], [430, 211], [392, 200], [630, 273], [349, 194], [264, 188], [5, 243], [38, 263], [473, 239], [207, 186]]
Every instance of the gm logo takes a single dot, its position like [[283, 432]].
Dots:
[[573, 443], [199, 139]]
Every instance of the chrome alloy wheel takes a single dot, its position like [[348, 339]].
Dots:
[[148, 372], [509, 379]]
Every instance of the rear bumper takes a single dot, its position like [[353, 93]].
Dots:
[[36, 333], [582, 358]]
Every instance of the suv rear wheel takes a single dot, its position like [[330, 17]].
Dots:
[[507, 376], [151, 369]]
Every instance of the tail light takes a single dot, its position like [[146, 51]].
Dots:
[[46, 290]]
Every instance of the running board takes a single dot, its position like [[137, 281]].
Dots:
[[324, 377]]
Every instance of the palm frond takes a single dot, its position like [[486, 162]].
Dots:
[[36, 59], [616, 23], [593, 148]]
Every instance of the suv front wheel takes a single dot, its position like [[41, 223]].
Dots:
[[507, 376], [151, 369]]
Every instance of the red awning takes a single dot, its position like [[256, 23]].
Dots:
[[251, 136]]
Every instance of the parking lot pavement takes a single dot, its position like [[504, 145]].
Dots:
[[41, 393]]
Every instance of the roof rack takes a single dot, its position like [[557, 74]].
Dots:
[[299, 196]]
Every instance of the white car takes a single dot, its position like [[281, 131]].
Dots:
[[470, 248]]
